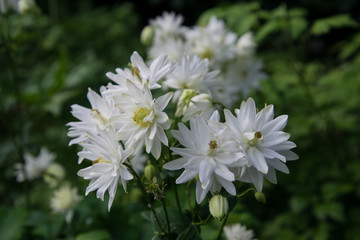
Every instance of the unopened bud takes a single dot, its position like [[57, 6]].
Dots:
[[184, 101], [260, 197], [28, 7], [219, 207], [147, 35], [54, 174], [150, 172]]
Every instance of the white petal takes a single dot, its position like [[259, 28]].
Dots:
[[175, 164], [257, 159], [228, 185], [163, 101], [186, 176]]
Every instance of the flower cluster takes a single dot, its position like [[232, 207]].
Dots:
[[203, 70], [247, 147], [224, 65]]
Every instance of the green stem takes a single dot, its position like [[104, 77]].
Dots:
[[202, 222], [141, 185], [222, 227], [188, 196], [245, 192], [178, 204], [166, 216]]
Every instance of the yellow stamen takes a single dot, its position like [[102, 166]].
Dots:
[[139, 116], [212, 144], [97, 115]]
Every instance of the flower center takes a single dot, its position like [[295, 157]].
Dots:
[[135, 71], [213, 144], [100, 160], [97, 115], [207, 53], [140, 115], [212, 147], [257, 136]]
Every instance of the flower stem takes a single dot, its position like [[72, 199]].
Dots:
[[141, 185], [167, 216], [245, 192], [178, 204], [222, 227]]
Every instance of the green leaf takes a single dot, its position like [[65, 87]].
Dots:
[[11, 222], [324, 25], [267, 29], [94, 235]]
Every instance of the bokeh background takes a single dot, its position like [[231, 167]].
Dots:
[[52, 53]]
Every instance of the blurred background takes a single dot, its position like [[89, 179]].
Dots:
[[52, 51]]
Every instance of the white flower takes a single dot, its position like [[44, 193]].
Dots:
[[167, 26], [206, 153], [91, 119], [191, 73], [238, 232], [54, 174], [261, 138], [246, 45], [140, 74], [173, 48], [34, 166], [199, 105], [213, 42], [244, 74], [107, 168], [142, 119], [64, 200]]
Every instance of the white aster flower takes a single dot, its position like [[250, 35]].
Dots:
[[262, 140], [54, 174], [238, 232], [191, 73], [214, 42], [246, 45], [173, 48], [64, 200], [34, 166], [142, 119], [206, 153], [140, 74], [245, 74], [167, 26], [199, 105], [107, 168], [91, 119]]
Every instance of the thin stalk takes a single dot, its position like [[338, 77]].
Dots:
[[188, 196], [142, 188], [245, 192], [222, 227], [166, 216], [178, 204]]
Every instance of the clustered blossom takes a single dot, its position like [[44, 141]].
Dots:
[[232, 69], [34, 167], [238, 232], [245, 148], [203, 70], [122, 119]]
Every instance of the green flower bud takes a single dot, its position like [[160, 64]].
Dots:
[[28, 7], [150, 171], [260, 197], [54, 174], [219, 207], [184, 101], [147, 35]]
